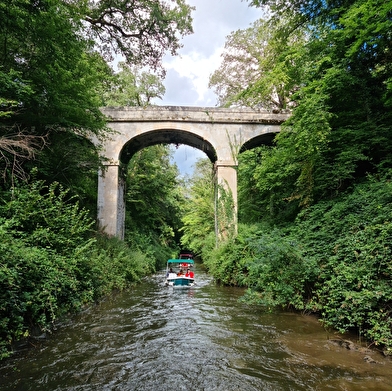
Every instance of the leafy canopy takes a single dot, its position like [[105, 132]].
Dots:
[[54, 63], [133, 87], [260, 67]]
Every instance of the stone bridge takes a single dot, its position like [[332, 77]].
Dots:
[[221, 133]]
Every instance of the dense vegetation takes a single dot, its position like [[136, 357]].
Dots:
[[55, 74], [154, 203], [314, 207], [52, 262]]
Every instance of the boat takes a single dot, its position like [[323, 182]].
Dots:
[[179, 272]]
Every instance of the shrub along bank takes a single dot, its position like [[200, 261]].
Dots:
[[335, 260], [52, 262]]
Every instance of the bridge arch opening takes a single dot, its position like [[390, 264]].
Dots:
[[263, 139], [166, 136], [220, 133]]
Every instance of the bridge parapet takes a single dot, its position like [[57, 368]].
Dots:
[[222, 133], [193, 114]]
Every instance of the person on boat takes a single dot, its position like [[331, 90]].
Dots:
[[170, 271], [189, 274], [180, 273]]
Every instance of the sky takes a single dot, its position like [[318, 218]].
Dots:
[[188, 73]]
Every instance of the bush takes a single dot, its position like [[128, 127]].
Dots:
[[351, 238], [280, 274], [269, 264], [53, 263], [334, 260], [46, 217]]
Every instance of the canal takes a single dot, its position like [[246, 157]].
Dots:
[[159, 338]]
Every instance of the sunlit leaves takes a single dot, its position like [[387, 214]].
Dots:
[[133, 87], [260, 67]]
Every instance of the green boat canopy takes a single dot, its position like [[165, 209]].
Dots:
[[180, 261]]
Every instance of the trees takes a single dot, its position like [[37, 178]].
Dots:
[[48, 79], [154, 201], [321, 193], [53, 74], [340, 128], [198, 218], [141, 30], [133, 87], [260, 67], [53, 60], [47, 70]]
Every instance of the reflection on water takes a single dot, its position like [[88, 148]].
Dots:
[[159, 338]]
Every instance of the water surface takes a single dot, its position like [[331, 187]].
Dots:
[[159, 338]]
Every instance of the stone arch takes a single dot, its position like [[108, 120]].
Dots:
[[166, 136], [220, 133], [114, 172], [263, 139]]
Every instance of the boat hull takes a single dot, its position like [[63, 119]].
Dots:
[[180, 281]]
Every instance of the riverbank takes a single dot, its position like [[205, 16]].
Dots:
[[203, 337]]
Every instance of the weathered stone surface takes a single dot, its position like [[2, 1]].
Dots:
[[193, 114], [221, 133]]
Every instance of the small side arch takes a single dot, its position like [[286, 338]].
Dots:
[[262, 139]]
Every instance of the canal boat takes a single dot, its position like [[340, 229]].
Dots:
[[179, 272]]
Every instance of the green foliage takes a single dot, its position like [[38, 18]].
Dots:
[[340, 128], [250, 203], [228, 263], [352, 239], [45, 217], [333, 260], [279, 275], [52, 263], [54, 75], [110, 265], [50, 81], [154, 200], [198, 218], [269, 264], [53, 79], [35, 282], [72, 161], [326, 180], [131, 87], [48, 61]]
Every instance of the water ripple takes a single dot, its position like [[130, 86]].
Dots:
[[200, 339]]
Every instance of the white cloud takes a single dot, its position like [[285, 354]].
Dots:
[[196, 68], [188, 73]]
